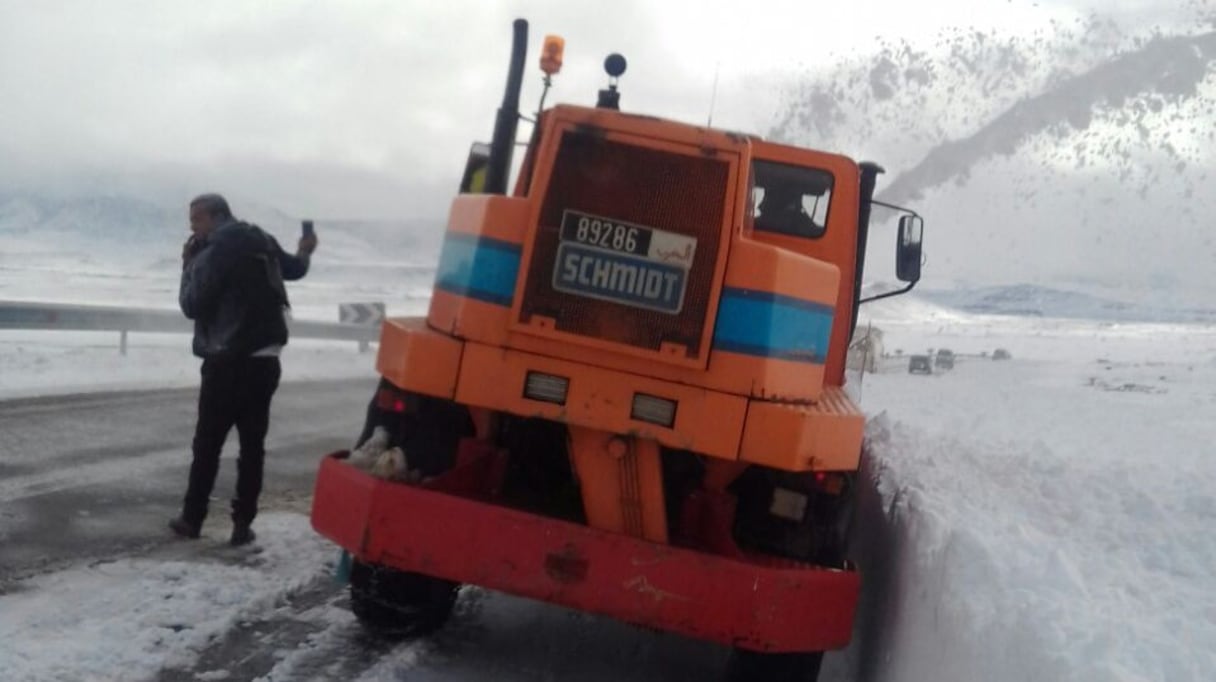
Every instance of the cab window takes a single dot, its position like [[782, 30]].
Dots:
[[792, 200]]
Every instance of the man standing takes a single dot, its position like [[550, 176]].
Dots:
[[232, 287]]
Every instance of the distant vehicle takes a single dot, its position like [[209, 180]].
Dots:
[[1001, 354], [944, 359], [920, 364]]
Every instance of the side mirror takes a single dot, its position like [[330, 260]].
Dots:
[[474, 179], [908, 251]]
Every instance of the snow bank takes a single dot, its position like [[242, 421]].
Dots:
[[1042, 520]]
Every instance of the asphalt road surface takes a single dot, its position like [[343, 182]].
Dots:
[[93, 476]]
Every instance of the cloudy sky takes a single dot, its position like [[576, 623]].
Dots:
[[366, 108]]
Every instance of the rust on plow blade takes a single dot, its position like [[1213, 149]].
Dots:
[[759, 603]]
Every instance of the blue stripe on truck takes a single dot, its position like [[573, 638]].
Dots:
[[773, 326], [478, 267]]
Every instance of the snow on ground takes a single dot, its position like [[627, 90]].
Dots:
[[126, 619]]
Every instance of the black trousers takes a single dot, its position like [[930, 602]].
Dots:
[[234, 392]]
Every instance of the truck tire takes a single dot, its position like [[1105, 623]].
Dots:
[[745, 665], [394, 603]]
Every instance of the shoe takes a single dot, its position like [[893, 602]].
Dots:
[[183, 528], [241, 535]]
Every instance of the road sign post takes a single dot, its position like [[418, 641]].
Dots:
[[369, 314]]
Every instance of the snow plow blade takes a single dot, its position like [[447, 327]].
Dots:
[[759, 603]]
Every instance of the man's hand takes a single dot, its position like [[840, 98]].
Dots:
[[192, 246], [308, 244]]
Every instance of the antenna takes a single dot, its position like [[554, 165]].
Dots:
[[713, 97]]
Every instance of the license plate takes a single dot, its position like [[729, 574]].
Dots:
[[630, 264]]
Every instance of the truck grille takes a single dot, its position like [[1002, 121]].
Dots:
[[677, 194]]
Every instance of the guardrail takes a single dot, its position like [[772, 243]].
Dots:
[[70, 317]]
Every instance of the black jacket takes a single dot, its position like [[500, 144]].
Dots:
[[233, 290]]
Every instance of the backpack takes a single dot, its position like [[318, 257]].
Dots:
[[264, 286]]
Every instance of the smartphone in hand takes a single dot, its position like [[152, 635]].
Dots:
[[308, 238]]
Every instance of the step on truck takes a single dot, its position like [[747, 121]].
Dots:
[[627, 394]]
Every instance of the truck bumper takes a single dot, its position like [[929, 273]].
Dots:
[[759, 603]]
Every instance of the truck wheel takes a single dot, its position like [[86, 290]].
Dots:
[[396, 603], [745, 665]]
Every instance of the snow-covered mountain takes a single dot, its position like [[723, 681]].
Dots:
[[111, 228], [117, 249], [1069, 154], [1039, 301]]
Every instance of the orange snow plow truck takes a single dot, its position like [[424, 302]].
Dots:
[[626, 397]]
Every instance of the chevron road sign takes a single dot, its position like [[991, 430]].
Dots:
[[361, 313]]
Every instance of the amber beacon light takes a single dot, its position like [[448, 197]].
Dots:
[[551, 54]]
